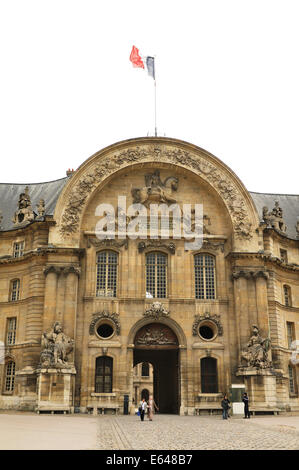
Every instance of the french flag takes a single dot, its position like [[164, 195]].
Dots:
[[138, 61]]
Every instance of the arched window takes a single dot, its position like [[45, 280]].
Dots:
[[10, 376], [106, 274], [156, 275], [287, 296], [204, 267], [209, 380], [103, 379], [14, 290], [145, 369]]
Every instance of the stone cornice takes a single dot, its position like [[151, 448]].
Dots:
[[35, 225], [42, 251], [279, 235], [266, 258], [276, 303]]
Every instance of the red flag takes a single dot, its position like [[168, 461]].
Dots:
[[135, 58]]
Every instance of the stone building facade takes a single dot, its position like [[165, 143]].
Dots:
[[78, 313]]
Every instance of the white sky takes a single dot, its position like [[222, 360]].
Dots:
[[227, 80]]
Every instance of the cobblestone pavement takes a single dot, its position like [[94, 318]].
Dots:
[[167, 432], [190, 432]]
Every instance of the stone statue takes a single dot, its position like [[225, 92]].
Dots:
[[155, 190], [41, 208], [56, 347], [274, 218], [256, 353], [24, 214]]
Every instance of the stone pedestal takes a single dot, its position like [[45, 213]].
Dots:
[[55, 389], [260, 385]]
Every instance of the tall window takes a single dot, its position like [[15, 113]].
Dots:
[[106, 274], [145, 369], [15, 290], [284, 255], [287, 296], [10, 376], [156, 275], [204, 266], [292, 381], [18, 249], [290, 333], [11, 331], [103, 380], [209, 380]]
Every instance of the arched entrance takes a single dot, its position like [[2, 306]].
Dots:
[[157, 343]]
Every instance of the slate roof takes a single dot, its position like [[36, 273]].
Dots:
[[49, 191], [289, 204], [9, 197]]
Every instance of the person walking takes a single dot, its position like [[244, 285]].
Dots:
[[151, 408], [246, 405], [142, 408], [225, 407]]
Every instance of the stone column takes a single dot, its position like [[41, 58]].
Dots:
[[72, 274], [51, 273], [60, 296], [261, 278], [241, 308]]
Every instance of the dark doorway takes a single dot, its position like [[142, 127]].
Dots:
[[166, 376]]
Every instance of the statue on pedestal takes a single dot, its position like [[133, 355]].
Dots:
[[256, 353], [56, 347]]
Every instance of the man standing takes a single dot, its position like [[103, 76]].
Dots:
[[246, 405], [142, 408], [225, 407]]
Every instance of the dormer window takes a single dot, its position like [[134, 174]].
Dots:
[[18, 249]]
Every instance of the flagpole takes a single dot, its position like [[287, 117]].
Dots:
[[155, 108]]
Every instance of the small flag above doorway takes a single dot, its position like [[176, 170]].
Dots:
[[138, 61]]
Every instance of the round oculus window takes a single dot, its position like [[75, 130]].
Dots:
[[105, 330], [207, 331]]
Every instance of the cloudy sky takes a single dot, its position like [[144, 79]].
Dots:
[[227, 81]]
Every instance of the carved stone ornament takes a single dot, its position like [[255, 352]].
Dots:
[[24, 213], [107, 243], [100, 170], [256, 351], [113, 317], [155, 334], [65, 270], [41, 210], [155, 190], [274, 219], [207, 316], [156, 310], [56, 347], [237, 274], [156, 244]]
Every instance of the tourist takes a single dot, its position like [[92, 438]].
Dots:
[[142, 408], [245, 400], [151, 407], [225, 407]]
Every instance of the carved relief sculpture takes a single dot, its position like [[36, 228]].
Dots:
[[156, 310], [56, 347], [24, 214], [256, 352], [155, 190], [274, 219], [155, 335]]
